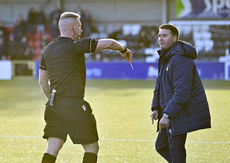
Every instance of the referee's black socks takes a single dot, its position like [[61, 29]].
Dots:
[[47, 158], [89, 158]]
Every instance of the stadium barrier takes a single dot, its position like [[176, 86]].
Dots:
[[114, 70]]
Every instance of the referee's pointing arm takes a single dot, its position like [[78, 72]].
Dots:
[[73, 30], [114, 45]]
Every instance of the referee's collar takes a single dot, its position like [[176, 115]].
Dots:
[[61, 38]]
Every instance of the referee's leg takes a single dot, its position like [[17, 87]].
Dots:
[[53, 147], [91, 151]]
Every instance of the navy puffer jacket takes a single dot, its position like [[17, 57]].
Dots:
[[179, 91]]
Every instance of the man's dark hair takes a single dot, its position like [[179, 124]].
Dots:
[[174, 30]]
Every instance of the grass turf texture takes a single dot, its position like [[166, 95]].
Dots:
[[122, 110]]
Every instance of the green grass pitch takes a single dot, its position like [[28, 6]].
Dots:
[[122, 110]]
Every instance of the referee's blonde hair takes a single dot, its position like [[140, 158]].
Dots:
[[69, 15]]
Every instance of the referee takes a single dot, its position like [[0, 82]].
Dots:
[[62, 77]]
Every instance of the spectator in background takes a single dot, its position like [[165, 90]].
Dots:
[[55, 14], [15, 53], [25, 49], [54, 18], [44, 41], [82, 17], [31, 20], [142, 42], [20, 28], [87, 23], [143, 39], [40, 21], [153, 37], [3, 33], [54, 30], [2, 49], [19, 50], [12, 47]]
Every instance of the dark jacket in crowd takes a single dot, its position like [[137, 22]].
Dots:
[[20, 30], [40, 17], [179, 91], [2, 49], [32, 16], [3, 33]]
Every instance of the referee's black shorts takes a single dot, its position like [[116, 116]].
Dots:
[[70, 116]]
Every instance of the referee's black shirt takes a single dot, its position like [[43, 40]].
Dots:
[[65, 62]]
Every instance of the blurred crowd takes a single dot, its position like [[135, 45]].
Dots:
[[139, 38], [26, 39], [28, 36]]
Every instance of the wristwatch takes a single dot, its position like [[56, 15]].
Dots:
[[124, 49], [166, 116]]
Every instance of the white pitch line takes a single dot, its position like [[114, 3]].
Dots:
[[208, 142], [148, 140], [134, 140], [118, 140], [27, 137]]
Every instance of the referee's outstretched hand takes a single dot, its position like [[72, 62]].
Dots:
[[127, 55]]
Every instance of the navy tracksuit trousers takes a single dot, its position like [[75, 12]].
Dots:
[[172, 148]]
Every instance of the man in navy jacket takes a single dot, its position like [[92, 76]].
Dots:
[[179, 101]]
